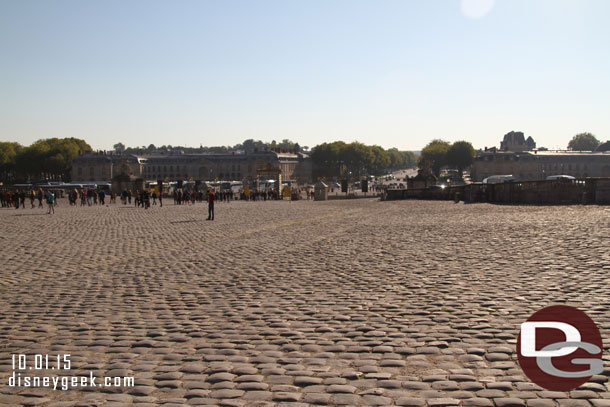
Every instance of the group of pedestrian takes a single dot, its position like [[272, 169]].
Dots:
[[266, 195], [187, 197], [17, 198], [88, 197], [13, 199], [142, 198]]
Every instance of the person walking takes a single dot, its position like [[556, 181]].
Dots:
[[211, 199], [51, 202]]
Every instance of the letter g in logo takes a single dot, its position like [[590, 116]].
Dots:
[[555, 343]]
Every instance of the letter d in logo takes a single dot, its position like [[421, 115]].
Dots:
[[528, 338]]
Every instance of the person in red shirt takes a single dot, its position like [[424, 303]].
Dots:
[[211, 200]]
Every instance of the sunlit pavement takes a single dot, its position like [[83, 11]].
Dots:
[[354, 302]]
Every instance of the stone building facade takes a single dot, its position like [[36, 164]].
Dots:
[[91, 168], [518, 157], [204, 167], [537, 165], [100, 167]]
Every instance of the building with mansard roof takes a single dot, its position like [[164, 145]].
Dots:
[[517, 157], [98, 167]]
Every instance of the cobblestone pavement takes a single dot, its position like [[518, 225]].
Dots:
[[357, 303]]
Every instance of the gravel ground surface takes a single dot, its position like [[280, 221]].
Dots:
[[354, 302]]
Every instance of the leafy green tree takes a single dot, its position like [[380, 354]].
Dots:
[[359, 159], [217, 150], [329, 158], [401, 159], [435, 153], [328, 153], [410, 159], [49, 159], [31, 161], [286, 145], [119, 148], [248, 145], [8, 160], [396, 158], [461, 155], [381, 160], [583, 142]]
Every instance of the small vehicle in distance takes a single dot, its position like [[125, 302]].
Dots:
[[559, 177], [498, 179]]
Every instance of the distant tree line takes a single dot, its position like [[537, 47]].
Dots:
[[45, 160], [249, 146], [357, 159], [439, 154]]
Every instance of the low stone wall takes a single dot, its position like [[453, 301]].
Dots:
[[352, 196], [580, 191], [430, 193], [602, 191]]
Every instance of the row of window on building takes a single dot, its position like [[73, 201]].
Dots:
[[79, 171], [162, 173], [563, 166], [164, 169], [234, 176]]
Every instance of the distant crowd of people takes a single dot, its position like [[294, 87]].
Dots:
[[142, 198], [17, 199], [190, 197], [269, 194], [88, 197]]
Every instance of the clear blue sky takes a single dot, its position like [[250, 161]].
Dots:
[[393, 73]]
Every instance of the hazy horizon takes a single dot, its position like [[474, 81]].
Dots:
[[392, 73]]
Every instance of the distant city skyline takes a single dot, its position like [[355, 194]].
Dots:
[[389, 72]]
